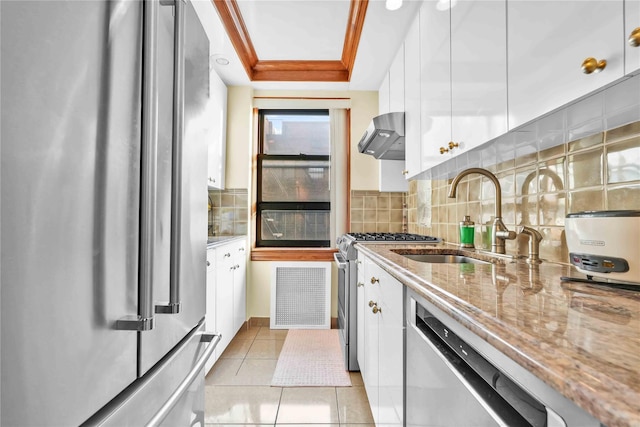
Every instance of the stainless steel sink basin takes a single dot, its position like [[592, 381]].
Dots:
[[441, 258], [445, 256]]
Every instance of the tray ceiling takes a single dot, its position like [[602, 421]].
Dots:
[[305, 44]]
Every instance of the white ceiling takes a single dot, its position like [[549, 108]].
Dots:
[[309, 30]]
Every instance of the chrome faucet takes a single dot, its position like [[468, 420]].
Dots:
[[534, 243], [499, 232]]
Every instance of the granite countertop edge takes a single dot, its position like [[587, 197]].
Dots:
[[215, 241], [587, 384]]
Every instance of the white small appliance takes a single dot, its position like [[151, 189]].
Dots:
[[605, 244]]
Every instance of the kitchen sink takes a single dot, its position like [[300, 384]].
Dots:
[[448, 259], [443, 256]]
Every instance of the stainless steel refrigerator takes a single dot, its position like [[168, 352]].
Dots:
[[103, 213]]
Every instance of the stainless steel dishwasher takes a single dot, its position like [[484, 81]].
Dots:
[[448, 383]]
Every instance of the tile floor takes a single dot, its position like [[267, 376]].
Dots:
[[238, 390]]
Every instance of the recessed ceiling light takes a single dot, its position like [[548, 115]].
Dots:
[[393, 4], [446, 4], [220, 59]]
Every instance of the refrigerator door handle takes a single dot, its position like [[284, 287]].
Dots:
[[149, 180], [213, 339], [177, 137]]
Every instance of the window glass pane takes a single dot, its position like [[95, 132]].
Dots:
[[296, 134], [295, 225], [295, 180]]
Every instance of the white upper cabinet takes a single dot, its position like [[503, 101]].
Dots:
[[632, 29], [383, 96], [412, 100], [547, 44], [391, 99], [218, 133], [480, 68], [396, 82], [478, 73], [435, 83]]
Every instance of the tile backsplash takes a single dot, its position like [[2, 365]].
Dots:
[[600, 171], [228, 212], [378, 212]]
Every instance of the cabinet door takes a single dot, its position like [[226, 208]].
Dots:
[[383, 96], [239, 285], [224, 296], [370, 377], [361, 348], [218, 134], [396, 82], [412, 100], [390, 357], [435, 83], [631, 23], [547, 43], [391, 99], [210, 317], [392, 176], [478, 73]]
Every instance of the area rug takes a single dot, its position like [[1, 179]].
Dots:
[[311, 358]]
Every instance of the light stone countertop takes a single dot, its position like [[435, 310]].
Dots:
[[213, 241], [582, 340]]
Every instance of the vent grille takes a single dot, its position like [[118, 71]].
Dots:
[[301, 295]]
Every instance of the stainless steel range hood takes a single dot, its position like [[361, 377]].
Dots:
[[384, 138]]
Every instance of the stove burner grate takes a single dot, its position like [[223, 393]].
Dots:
[[392, 237]]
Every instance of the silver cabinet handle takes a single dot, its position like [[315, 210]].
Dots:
[[208, 263], [177, 137], [227, 255], [148, 179]]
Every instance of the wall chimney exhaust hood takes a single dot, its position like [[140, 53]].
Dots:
[[384, 138]]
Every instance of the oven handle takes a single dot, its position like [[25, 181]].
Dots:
[[340, 261]]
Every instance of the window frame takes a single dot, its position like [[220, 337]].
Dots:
[[262, 205]]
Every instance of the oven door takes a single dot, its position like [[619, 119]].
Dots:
[[343, 296]]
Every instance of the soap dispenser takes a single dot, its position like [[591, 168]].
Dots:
[[467, 232]]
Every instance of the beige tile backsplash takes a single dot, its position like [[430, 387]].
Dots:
[[596, 172], [378, 212]]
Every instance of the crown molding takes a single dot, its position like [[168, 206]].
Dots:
[[292, 70]]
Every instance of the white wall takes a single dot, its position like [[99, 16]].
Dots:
[[364, 168], [240, 135]]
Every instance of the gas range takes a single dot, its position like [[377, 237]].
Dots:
[[346, 260], [346, 241]]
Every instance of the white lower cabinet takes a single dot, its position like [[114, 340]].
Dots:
[[360, 313], [226, 304], [239, 269], [382, 371], [224, 297], [210, 305]]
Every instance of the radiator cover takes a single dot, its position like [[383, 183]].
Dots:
[[301, 295]]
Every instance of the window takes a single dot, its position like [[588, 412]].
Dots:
[[294, 179]]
